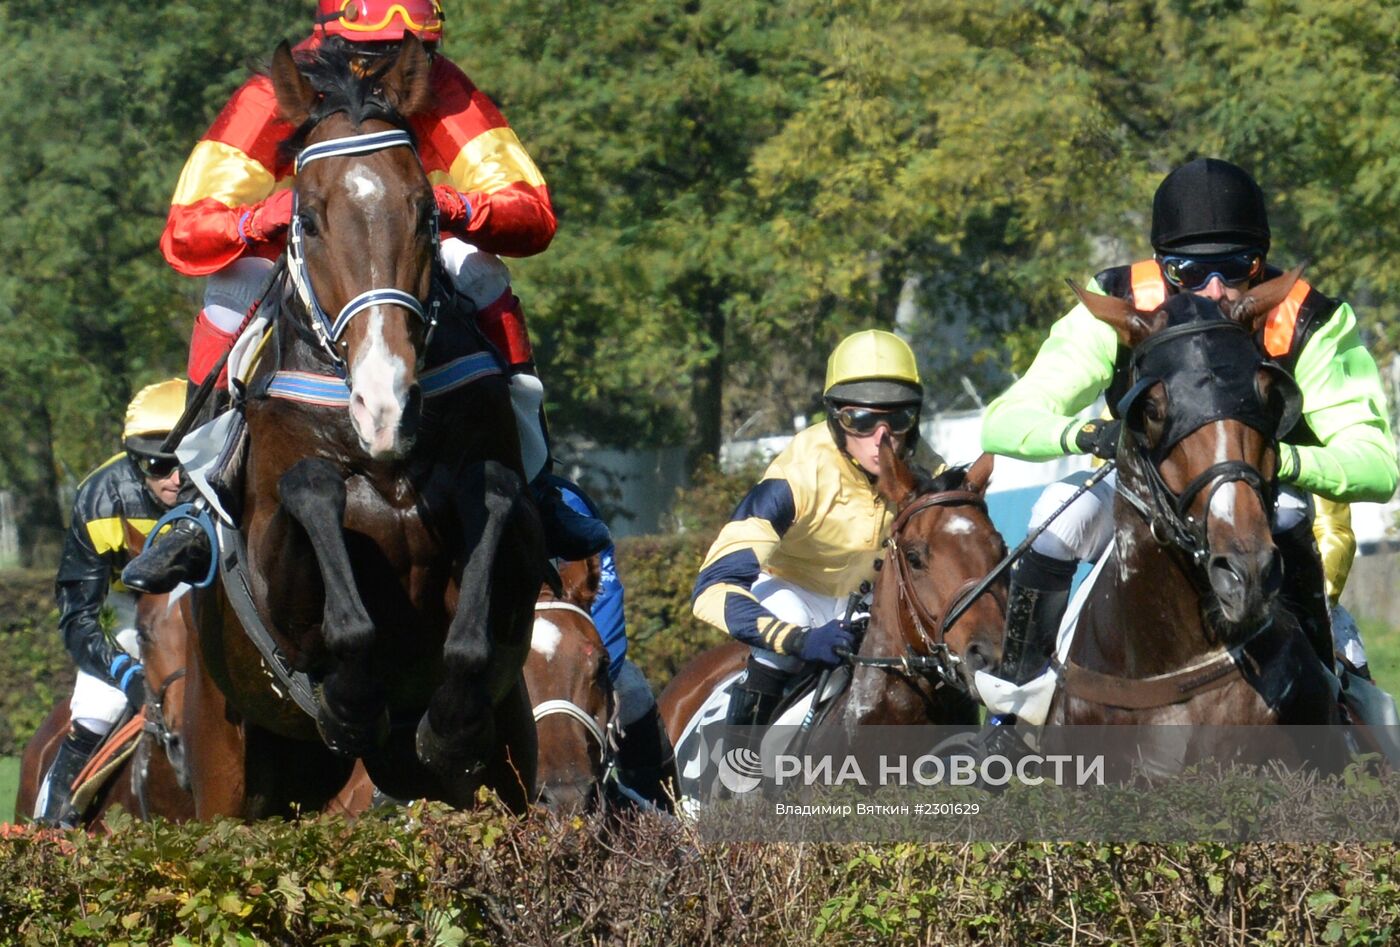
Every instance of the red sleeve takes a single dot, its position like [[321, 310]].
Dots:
[[233, 166], [465, 141]]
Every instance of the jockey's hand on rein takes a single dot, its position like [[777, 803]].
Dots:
[[826, 644], [1099, 438], [268, 219]]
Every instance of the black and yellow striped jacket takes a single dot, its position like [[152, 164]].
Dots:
[[94, 552]]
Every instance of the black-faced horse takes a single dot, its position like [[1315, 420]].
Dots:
[[1183, 625], [390, 551]]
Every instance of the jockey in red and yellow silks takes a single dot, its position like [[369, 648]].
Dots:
[[233, 202], [233, 205]]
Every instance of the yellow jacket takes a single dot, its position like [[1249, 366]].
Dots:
[[815, 520]]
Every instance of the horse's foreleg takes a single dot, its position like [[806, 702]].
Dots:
[[500, 579], [353, 716]]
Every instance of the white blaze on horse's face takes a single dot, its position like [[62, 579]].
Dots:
[[545, 639], [363, 185], [378, 393]]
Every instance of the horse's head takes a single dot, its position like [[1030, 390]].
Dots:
[[364, 233], [1198, 455], [566, 675], [163, 629], [942, 544]]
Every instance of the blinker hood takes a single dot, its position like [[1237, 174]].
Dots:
[[1210, 373]]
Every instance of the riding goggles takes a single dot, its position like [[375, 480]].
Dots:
[[154, 467], [862, 421], [1194, 272]]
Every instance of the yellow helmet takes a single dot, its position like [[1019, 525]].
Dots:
[[152, 414], [873, 367]]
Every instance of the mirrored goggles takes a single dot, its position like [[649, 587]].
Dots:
[[861, 421], [154, 467], [1194, 272]]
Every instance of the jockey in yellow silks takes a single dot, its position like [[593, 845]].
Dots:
[[780, 572]]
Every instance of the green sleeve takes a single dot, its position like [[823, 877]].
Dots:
[[1073, 367], [1344, 403]]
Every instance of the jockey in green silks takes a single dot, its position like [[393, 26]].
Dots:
[[1211, 236]]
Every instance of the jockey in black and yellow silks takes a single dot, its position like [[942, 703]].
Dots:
[[808, 534], [133, 489]]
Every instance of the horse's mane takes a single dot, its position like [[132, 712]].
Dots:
[[330, 68], [950, 478]]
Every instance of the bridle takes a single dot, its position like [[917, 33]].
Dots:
[[928, 654], [1165, 511], [169, 740], [568, 708], [327, 330]]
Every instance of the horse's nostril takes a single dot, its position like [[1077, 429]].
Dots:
[[977, 657]]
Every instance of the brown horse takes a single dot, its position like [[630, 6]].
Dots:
[[567, 677], [1183, 624], [570, 691], [388, 555], [913, 666], [151, 781]]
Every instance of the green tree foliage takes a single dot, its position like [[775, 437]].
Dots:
[[738, 185], [99, 107]]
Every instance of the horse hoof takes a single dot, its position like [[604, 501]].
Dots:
[[351, 738], [462, 755]]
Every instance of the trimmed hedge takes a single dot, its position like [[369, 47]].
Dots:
[[423, 875]]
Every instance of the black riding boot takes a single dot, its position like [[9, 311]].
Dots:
[[1035, 606], [73, 753], [753, 699], [181, 553], [645, 762], [1304, 590]]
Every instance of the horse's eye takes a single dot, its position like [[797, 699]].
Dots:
[[914, 558], [1153, 411], [308, 225]]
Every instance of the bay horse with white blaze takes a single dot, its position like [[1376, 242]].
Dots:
[[1184, 624], [387, 549]]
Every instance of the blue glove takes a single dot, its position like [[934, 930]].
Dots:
[[821, 644]]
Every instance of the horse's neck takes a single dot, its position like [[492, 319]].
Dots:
[[1154, 619]]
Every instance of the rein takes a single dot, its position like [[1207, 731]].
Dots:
[[329, 330]]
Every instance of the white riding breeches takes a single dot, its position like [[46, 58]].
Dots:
[[795, 605], [1084, 530], [96, 704]]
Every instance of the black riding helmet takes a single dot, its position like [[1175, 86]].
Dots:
[[1209, 206]]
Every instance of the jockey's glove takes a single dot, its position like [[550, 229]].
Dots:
[[130, 677], [1099, 438], [826, 644], [454, 213], [267, 221]]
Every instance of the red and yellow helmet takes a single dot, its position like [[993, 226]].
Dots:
[[373, 21]]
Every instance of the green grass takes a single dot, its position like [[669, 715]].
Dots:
[[9, 785], [1383, 652]]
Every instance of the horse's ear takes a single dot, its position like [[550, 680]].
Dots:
[[1251, 309], [406, 84], [980, 474], [897, 483], [295, 95], [1131, 324], [135, 539]]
